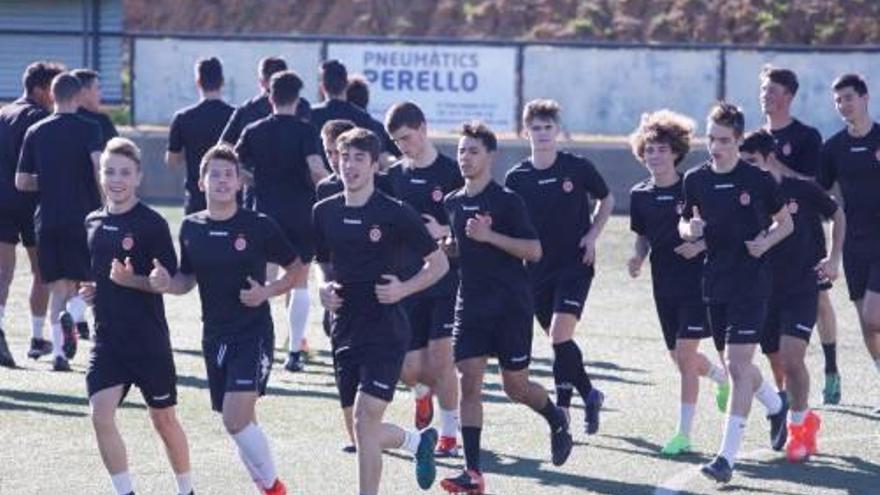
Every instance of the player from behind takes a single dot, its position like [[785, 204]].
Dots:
[[492, 236], [794, 302], [132, 345], [422, 179], [90, 103], [661, 142], [557, 188], [224, 250], [367, 237], [737, 210]]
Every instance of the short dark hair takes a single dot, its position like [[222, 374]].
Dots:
[[65, 87], [542, 109], [361, 139], [219, 152], [405, 113], [271, 65], [358, 91], [334, 77], [759, 141], [86, 76], [332, 129], [284, 87], [40, 75], [210, 73], [728, 115], [783, 77], [851, 80], [478, 130]]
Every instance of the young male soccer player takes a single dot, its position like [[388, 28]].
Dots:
[[422, 179], [797, 149], [492, 236], [851, 158], [793, 307], [661, 142], [132, 345], [366, 236], [59, 158], [17, 208], [196, 128], [736, 208], [557, 188], [90, 103], [281, 154], [224, 249]]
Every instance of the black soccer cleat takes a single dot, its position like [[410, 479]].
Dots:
[[82, 328], [39, 348], [6, 359], [718, 470], [778, 431], [68, 333], [560, 442], [592, 407], [294, 362], [60, 364]]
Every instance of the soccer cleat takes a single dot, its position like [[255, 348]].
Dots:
[[722, 394], [277, 489], [831, 392], [294, 363], [424, 411], [813, 424], [6, 359], [778, 432], [60, 364], [82, 328], [68, 333], [560, 443], [718, 470], [796, 449], [39, 348], [426, 467], [447, 447], [679, 444], [469, 482], [592, 406]]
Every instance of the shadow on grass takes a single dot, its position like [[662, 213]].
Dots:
[[846, 474], [202, 383], [41, 402]]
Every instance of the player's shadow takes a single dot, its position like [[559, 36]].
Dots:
[[849, 474], [602, 365], [42, 402], [855, 412], [201, 383], [646, 448]]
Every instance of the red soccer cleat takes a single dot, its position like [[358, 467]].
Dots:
[[469, 482], [424, 411], [277, 489]]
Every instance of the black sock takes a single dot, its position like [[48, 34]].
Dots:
[[470, 436], [830, 351], [553, 415], [562, 381], [568, 354]]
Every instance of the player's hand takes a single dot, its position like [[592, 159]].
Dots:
[[478, 228], [330, 296], [758, 246], [689, 250], [254, 295], [392, 291], [588, 244], [828, 268], [697, 225], [436, 230], [634, 266], [122, 273], [449, 246], [87, 292], [160, 279]]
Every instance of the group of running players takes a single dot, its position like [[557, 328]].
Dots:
[[427, 265]]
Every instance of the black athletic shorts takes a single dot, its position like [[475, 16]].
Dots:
[[793, 315], [374, 374], [508, 336], [17, 225], [238, 365], [740, 321], [154, 375], [63, 253], [862, 272], [430, 318], [680, 320], [561, 294]]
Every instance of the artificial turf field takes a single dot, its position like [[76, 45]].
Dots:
[[47, 445]]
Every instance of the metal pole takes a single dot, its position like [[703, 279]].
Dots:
[[96, 35]]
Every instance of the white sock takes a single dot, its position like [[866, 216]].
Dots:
[[57, 341], [2, 314], [411, 439], [733, 435], [77, 309], [250, 467], [686, 419], [122, 483], [37, 323], [254, 446], [449, 423], [797, 417], [769, 397], [298, 317], [420, 390], [717, 374]]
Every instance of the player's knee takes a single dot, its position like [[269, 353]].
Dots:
[[164, 420], [234, 423], [471, 388], [103, 419], [739, 370], [516, 389], [686, 362]]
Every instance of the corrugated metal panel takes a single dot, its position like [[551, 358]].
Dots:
[[111, 68], [41, 14], [19, 51]]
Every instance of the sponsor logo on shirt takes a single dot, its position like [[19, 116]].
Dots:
[[375, 233], [792, 206], [111, 228], [437, 194], [218, 233], [567, 185], [128, 242], [724, 186], [417, 181], [240, 243], [665, 197], [858, 149], [470, 208], [745, 198], [543, 182], [786, 149], [351, 221]]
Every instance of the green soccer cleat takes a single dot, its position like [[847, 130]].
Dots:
[[722, 394], [831, 392], [679, 444]]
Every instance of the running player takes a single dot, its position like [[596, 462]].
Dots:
[[132, 345], [492, 236], [281, 155], [90, 103], [224, 249], [332, 184], [17, 208], [661, 142], [793, 307], [59, 158], [422, 179], [365, 235], [850, 158], [557, 188], [798, 148], [196, 128], [736, 208]]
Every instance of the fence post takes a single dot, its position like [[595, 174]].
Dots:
[[520, 89], [721, 86], [132, 53]]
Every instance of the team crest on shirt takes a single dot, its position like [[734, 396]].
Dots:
[[786, 149], [792, 206], [745, 198], [375, 233], [128, 242], [567, 185], [437, 194], [240, 243]]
